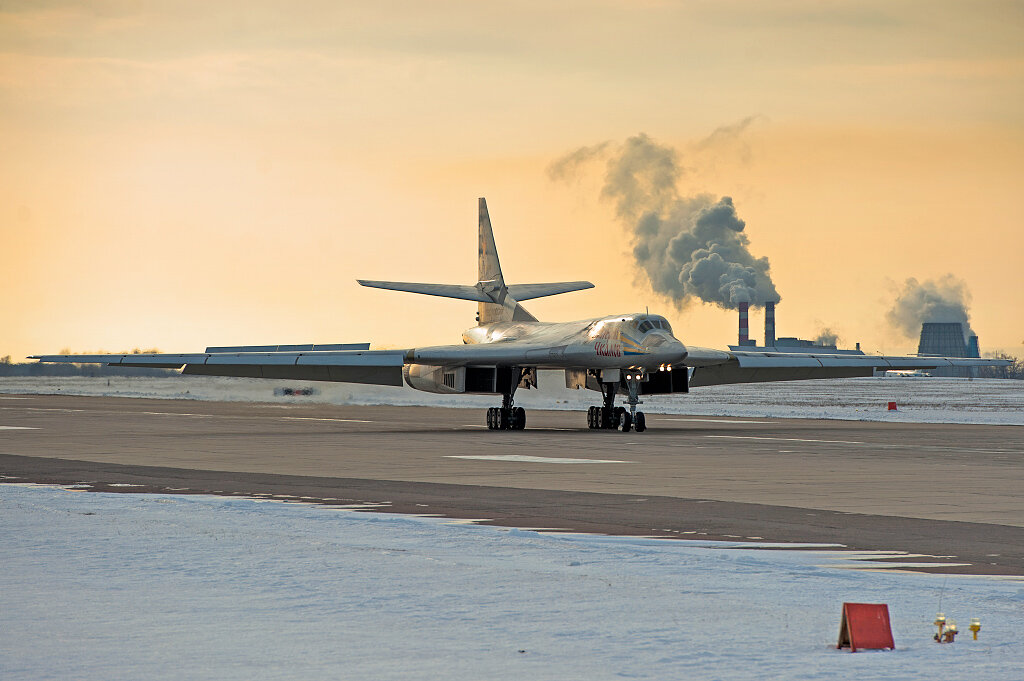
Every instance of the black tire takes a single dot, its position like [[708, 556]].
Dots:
[[520, 418], [590, 417], [640, 425], [490, 418], [625, 421]]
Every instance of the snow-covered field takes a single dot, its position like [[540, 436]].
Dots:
[[923, 400], [125, 586]]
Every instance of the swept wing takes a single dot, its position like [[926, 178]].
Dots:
[[380, 367], [714, 367]]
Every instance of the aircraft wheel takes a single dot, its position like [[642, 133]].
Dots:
[[503, 420], [640, 425], [626, 421], [590, 417], [519, 418], [490, 418], [608, 418]]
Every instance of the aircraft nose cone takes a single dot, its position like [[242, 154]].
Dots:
[[664, 349]]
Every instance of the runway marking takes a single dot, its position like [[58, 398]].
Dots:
[[41, 409], [15, 398], [312, 418], [477, 425], [17, 428], [172, 413], [786, 439], [528, 459], [715, 421]]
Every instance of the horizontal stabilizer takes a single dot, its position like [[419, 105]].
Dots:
[[530, 291], [442, 290]]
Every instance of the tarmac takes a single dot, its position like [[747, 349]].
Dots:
[[951, 493]]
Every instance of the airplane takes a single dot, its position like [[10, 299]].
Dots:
[[626, 354]]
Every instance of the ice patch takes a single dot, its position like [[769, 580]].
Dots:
[[117, 585]]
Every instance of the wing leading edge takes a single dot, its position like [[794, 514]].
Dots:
[[762, 367], [378, 367]]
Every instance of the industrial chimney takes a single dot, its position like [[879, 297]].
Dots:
[[744, 323], [769, 324]]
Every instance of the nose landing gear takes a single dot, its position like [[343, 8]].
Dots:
[[609, 417], [634, 418]]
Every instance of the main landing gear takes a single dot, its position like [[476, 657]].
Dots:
[[507, 416], [611, 417]]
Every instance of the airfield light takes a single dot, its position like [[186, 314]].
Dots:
[[940, 622], [947, 629], [975, 627]]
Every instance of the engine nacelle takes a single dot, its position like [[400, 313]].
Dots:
[[435, 379]]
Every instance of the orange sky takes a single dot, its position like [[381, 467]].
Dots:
[[187, 174]]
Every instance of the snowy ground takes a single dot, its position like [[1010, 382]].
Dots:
[[124, 586], [923, 400]]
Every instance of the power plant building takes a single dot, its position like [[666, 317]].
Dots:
[[784, 344], [946, 339], [941, 339]]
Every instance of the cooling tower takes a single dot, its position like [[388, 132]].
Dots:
[[947, 340], [972, 347]]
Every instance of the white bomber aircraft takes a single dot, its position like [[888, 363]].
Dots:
[[629, 354]]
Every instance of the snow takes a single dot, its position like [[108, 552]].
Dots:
[[919, 400], [128, 586]]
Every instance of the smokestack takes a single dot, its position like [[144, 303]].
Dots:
[[744, 323], [769, 324]]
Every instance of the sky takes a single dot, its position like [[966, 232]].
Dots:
[[182, 174]]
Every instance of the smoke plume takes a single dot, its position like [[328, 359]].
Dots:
[[943, 300], [688, 246], [827, 337]]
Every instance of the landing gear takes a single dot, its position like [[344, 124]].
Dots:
[[502, 418], [633, 379], [610, 417], [507, 416]]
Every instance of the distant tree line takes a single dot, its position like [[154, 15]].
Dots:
[[1015, 370]]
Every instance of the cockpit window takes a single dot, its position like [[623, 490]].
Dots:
[[653, 323]]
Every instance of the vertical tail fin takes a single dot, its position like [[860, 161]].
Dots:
[[491, 280], [489, 268]]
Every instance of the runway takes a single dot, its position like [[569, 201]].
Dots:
[[940, 490]]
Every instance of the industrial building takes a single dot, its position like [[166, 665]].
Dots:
[[943, 339], [783, 344]]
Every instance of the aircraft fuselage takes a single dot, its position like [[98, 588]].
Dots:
[[641, 340]]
